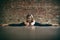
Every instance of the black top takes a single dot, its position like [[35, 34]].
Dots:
[[36, 24]]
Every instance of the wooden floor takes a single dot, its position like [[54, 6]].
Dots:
[[34, 33]]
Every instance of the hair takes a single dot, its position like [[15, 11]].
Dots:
[[29, 15]]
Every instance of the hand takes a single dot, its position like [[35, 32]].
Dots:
[[3, 24], [55, 24], [0, 24]]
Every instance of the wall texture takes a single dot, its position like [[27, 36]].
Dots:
[[44, 11]]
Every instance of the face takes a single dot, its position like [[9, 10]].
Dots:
[[29, 19]]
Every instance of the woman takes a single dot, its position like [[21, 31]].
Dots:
[[29, 22]]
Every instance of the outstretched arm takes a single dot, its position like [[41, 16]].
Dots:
[[39, 24], [9, 24], [21, 24], [46, 24]]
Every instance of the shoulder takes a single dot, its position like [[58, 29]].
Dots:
[[37, 24], [22, 24]]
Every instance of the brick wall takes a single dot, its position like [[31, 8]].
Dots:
[[44, 11]]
